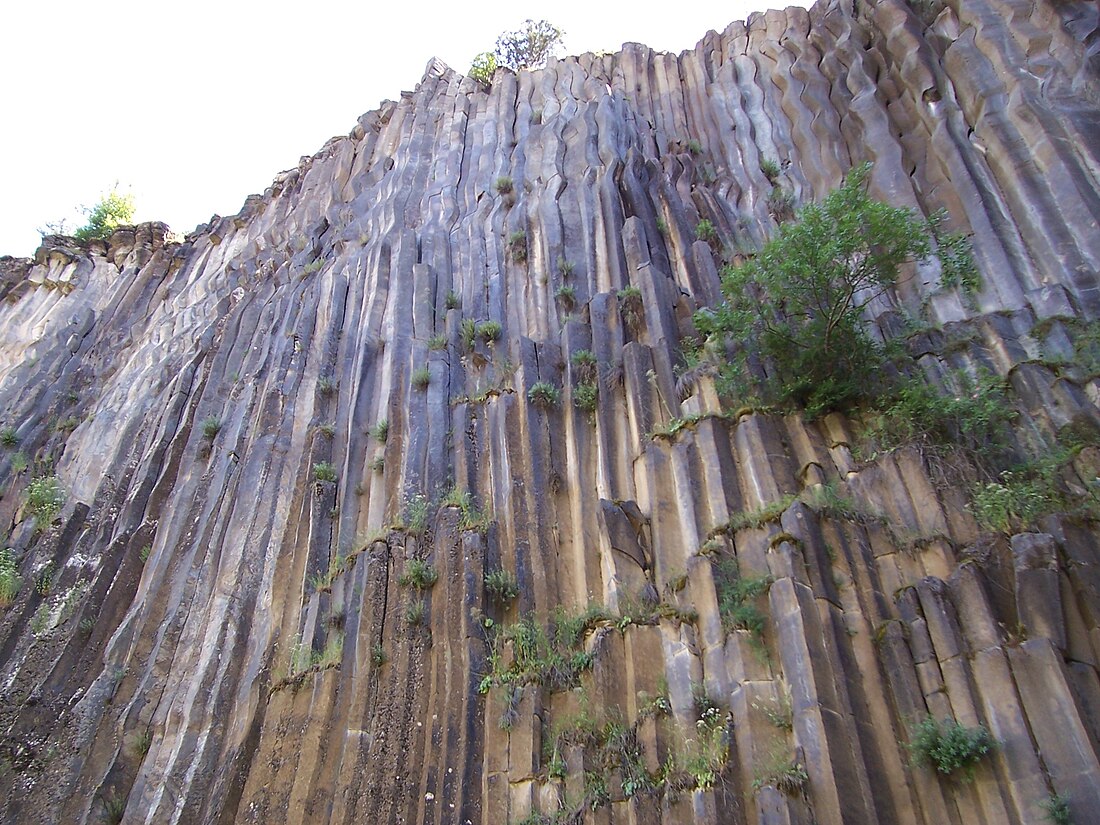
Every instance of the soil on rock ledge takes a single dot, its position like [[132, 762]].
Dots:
[[324, 557]]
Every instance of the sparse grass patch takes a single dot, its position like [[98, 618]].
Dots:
[[503, 185], [421, 378], [381, 431], [452, 301], [694, 147], [517, 243], [771, 170], [9, 577], [501, 586], [737, 597], [788, 776], [211, 426], [705, 231], [467, 332], [630, 304], [760, 516], [414, 613], [324, 471], [584, 364], [437, 342], [326, 385], [114, 808], [418, 574], [1056, 809], [567, 295], [781, 205], [9, 438], [378, 655]]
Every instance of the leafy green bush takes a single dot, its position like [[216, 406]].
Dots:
[[45, 498], [794, 311], [551, 656], [544, 394], [1016, 500], [489, 331], [112, 211], [976, 417], [737, 595], [483, 67], [586, 396], [950, 747], [324, 471], [529, 46], [9, 437]]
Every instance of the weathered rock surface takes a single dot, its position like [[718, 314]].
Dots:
[[214, 631]]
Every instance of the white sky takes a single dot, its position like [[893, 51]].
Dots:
[[194, 106]]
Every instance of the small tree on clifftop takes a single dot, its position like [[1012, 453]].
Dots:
[[528, 47], [113, 210]]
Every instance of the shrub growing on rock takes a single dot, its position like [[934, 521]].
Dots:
[[544, 394], [483, 67], [113, 210], [794, 310], [950, 747], [45, 498]]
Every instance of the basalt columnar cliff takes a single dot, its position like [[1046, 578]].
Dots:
[[292, 446]]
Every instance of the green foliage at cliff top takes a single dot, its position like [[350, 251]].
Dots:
[[113, 210]]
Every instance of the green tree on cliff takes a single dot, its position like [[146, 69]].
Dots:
[[113, 210], [794, 311]]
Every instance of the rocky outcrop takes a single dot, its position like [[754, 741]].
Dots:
[[294, 444]]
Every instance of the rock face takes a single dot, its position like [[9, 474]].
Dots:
[[232, 618]]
